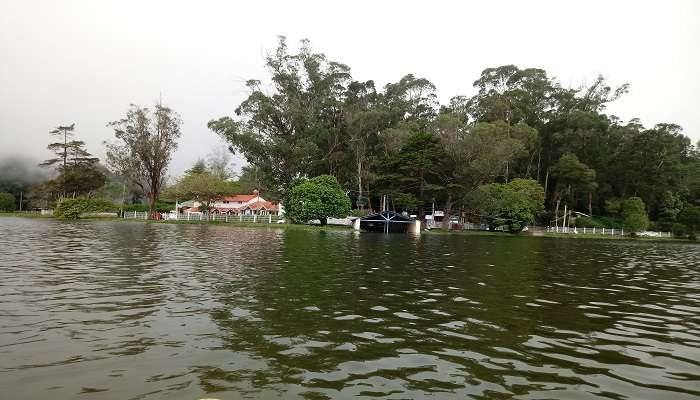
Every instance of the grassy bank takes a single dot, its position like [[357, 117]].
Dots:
[[614, 237], [241, 224], [317, 228], [24, 214], [568, 236]]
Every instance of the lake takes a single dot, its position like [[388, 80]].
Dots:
[[128, 310]]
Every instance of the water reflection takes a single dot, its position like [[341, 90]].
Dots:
[[130, 310]]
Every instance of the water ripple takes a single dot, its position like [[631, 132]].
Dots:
[[107, 310]]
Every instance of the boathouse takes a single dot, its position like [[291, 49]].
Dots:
[[386, 221]]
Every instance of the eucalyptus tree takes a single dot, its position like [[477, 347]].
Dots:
[[297, 129], [364, 120], [145, 142]]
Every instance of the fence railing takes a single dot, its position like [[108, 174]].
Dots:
[[195, 217], [604, 231], [560, 229], [586, 231]]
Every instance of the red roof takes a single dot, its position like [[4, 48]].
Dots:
[[268, 205], [258, 205], [240, 197]]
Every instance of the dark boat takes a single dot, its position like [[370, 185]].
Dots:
[[386, 221]]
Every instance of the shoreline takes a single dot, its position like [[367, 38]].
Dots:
[[568, 236], [340, 228]]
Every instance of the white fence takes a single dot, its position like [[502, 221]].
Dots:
[[474, 227], [559, 229], [586, 231], [195, 217], [603, 231]]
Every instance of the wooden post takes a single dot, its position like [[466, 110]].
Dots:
[[269, 219], [255, 217]]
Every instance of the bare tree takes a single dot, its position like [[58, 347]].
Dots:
[[144, 147]]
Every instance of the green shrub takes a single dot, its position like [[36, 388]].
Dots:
[[513, 204], [7, 202], [586, 222], [316, 198], [661, 226], [358, 213], [73, 208], [679, 230], [690, 217], [634, 215]]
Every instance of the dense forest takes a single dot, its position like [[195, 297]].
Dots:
[[522, 132], [400, 142]]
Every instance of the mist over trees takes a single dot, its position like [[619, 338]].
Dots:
[[397, 140]]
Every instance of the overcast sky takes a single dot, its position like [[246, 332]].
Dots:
[[86, 61]]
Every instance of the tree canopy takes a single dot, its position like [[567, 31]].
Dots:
[[7, 202], [312, 118], [205, 187], [513, 205], [145, 142]]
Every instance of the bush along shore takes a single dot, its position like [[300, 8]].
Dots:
[[234, 223]]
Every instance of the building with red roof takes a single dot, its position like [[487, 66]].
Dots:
[[238, 204]]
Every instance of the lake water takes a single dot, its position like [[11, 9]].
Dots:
[[119, 310]]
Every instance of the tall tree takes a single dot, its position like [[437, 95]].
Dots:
[[410, 176], [573, 178], [78, 171], [363, 122], [145, 142], [296, 130], [61, 148]]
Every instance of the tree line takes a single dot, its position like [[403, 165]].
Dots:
[[523, 144], [397, 140]]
